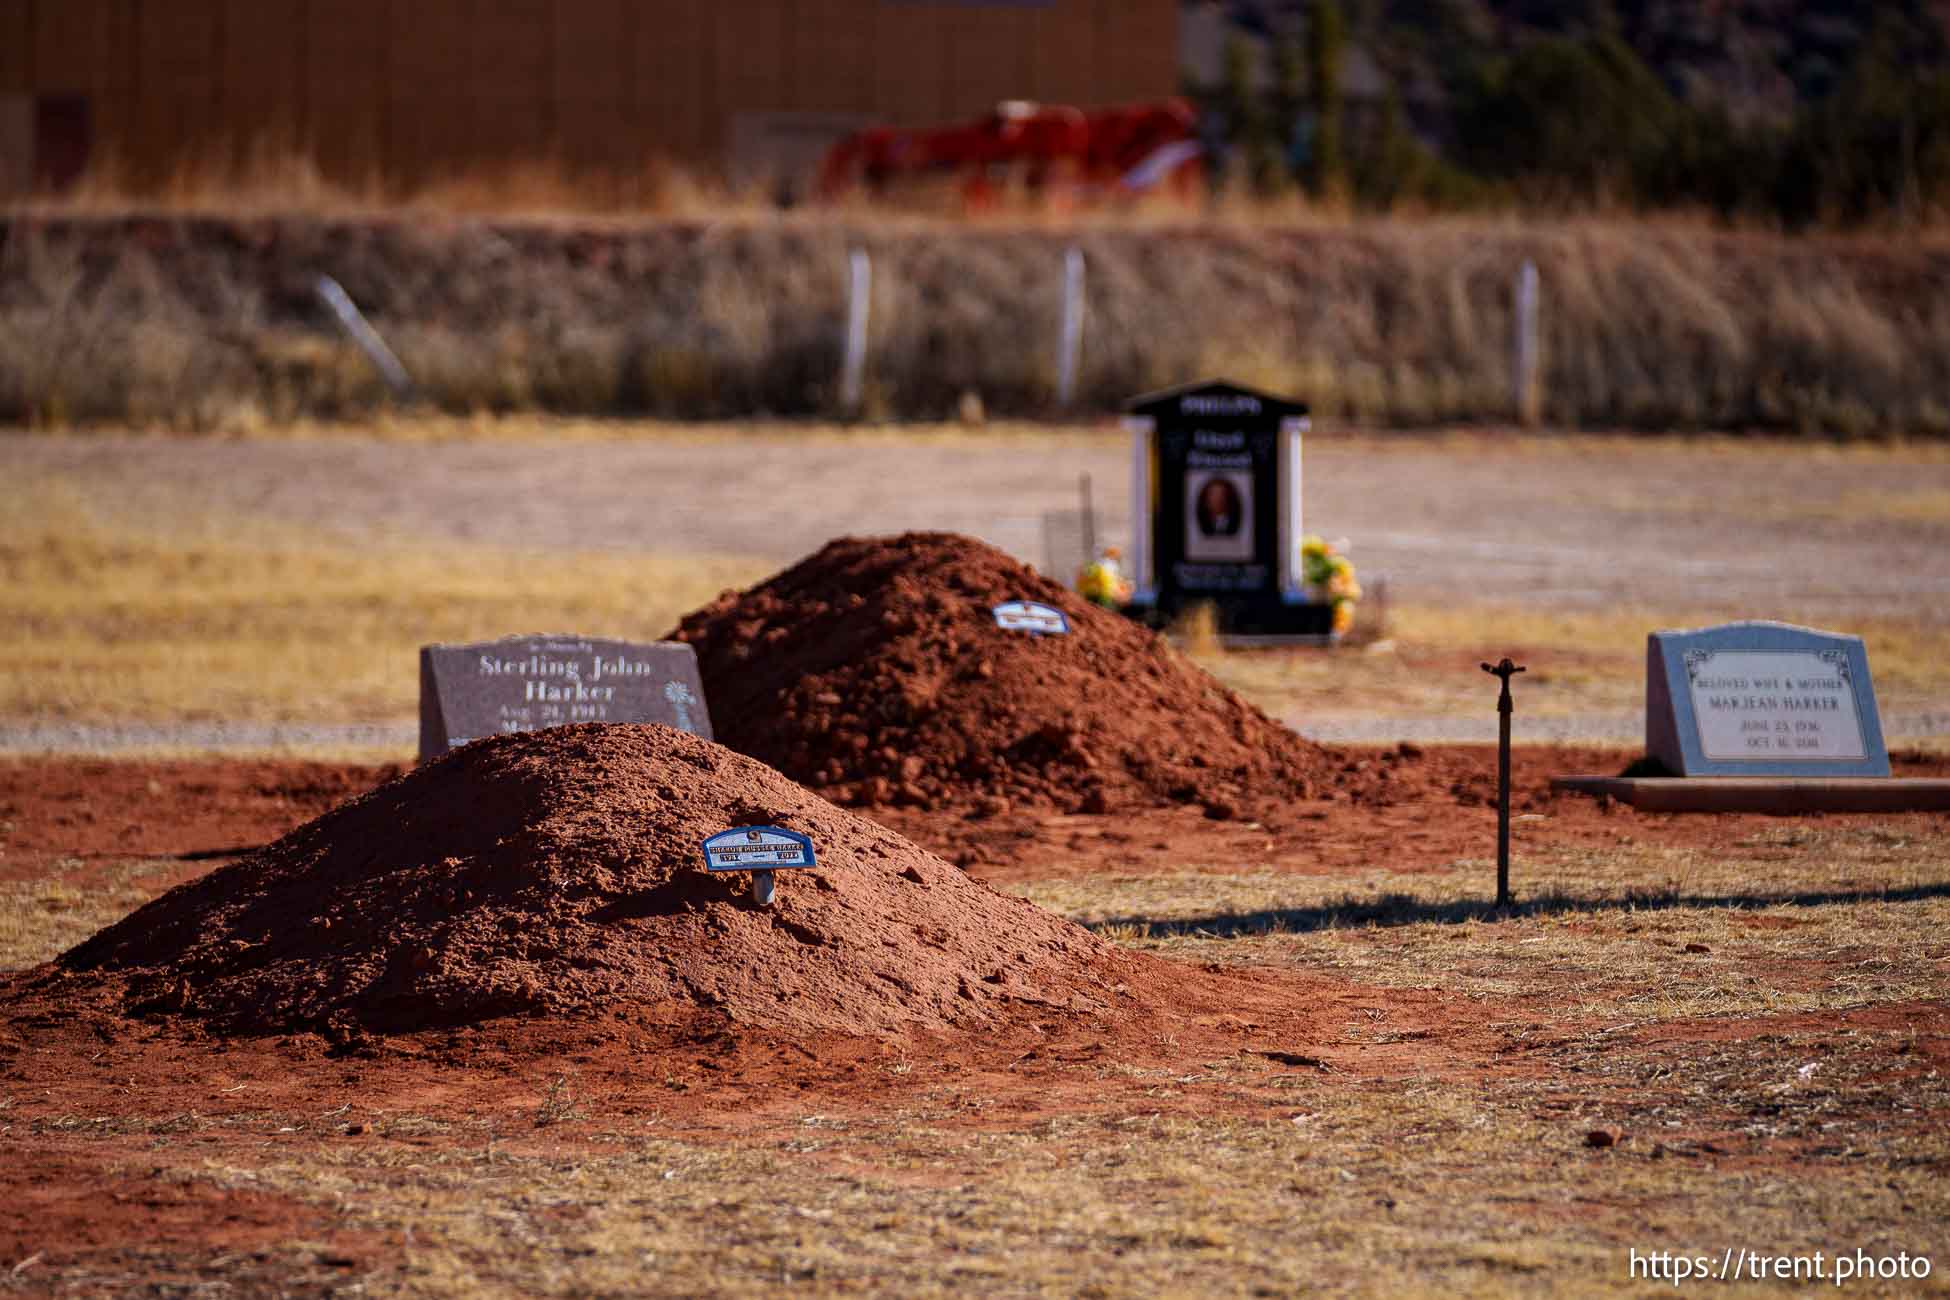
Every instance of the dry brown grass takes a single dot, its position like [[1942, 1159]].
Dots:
[[1414, 1188], [265, 178], [217, 618], [721, 309], [51, 913], [1862, 911], [1235, 1175], [241, 620], [1584, 662]]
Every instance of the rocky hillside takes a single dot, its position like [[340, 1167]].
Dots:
[[1760, 59]]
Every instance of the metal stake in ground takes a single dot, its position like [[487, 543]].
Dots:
[[1504, 670], [1089, 518]]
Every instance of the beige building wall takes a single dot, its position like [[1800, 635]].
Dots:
[[412, 90]]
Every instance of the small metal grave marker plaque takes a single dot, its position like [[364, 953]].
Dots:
[[1031, 616], [760, 850], [525, 683], [1761, 699], [757, 848]]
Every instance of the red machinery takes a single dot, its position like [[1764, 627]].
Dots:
[[1129, 148]]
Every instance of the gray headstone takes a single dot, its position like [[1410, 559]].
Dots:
[[525, 683], [1761, 699]]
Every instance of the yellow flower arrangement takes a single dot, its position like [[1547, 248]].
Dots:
[[1102, 581], [1329, 574]]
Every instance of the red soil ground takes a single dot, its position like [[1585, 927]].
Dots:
[[69, 1050], [1403, 807]]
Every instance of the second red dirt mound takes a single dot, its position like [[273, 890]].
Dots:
[[559, 872], [874, 671]]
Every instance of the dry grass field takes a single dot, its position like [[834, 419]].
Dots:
[[262, 622], [292, 578], [193, 317], [1693, 1035], [1760, 1036]]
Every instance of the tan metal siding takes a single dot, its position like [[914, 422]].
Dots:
[[910, 64], [1136, 50], [16, 46], [674, 80], [749, 57], [83, 46], [262, 75], [1060, 68], [835, 57], [346, 50], [417, 88], [513, 82], [431, 84], [594, 79], [178, 125], [984, 63]]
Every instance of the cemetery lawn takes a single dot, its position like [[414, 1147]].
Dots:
[[257, 622], [1696, 1033], [1581, 663], [293, 579], [1750, 1011], [292, 576]]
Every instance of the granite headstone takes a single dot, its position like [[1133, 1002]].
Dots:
[[1761, 699], [1215, 490], [525, 683]]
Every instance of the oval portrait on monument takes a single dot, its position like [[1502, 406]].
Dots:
[[1218, 515]]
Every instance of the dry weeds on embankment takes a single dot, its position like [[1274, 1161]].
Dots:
[[200, 321]]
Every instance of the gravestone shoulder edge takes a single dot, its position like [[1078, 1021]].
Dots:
[[1167, 403], [1755, 633]]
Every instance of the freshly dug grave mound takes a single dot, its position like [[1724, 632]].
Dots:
[[874, 672], [560, 871]]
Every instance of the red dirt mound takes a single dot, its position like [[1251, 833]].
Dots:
[[560, 871], [874, 672]]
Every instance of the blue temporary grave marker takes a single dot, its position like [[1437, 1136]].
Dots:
[[1032, 617], [760, 850], [757, 848]]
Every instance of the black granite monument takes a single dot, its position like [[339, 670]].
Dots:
[[1215, 487]]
